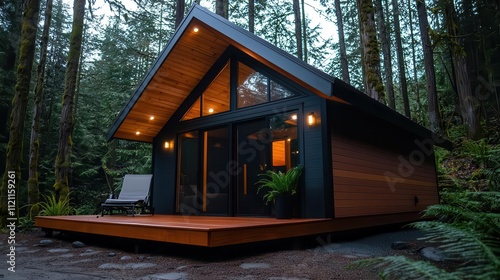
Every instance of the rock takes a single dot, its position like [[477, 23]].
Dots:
[[45, 242], [254, 265], [58, 250], [88, 252], [126, 258], [400, 245], [112, 254], [78, 244], [433, 254], [166, 276], [126, 266]]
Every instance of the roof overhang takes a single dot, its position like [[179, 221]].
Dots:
[[186, 59], [190, 54]]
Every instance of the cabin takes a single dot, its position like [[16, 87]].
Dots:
[[221, 106]]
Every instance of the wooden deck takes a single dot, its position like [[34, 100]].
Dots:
[[208, 231]]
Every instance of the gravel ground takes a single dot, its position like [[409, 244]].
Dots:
[[319, 257]]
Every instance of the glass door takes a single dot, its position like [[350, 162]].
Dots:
[[203, 180], [216, 178], [189, 199], [253, 156]]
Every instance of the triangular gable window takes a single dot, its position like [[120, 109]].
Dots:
[[193, 112], [216, 96], [253, 88]]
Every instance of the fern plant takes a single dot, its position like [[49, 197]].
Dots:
[[465, 229], [53, 206], [279, 183]]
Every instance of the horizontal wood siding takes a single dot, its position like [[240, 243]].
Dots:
[[380, 172]]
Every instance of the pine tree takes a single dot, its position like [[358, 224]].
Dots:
[[400, 57], [370, 52], [386, 50], [33, 188], [19, 105], [430, 73], [63, 158]]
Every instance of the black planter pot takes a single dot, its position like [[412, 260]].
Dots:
[[284, 207]]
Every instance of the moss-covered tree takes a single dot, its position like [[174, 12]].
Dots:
[[33, 189], [63, 158], [19, 106], [370, 52]]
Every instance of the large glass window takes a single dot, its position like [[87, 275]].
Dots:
[[279, 92], [252, 87], [285, 148]]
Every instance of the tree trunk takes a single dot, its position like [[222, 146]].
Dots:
[[343, 53], [17, 117], [370, 55], [401, 61], [221, 8], [179, 12], [462, 82], [386, 50], [304, 31], [63, 158], [298, 31], [33, 191], [430, 74], [414, 59], [251, 16]]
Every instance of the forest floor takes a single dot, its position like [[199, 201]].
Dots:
[[319, 257]]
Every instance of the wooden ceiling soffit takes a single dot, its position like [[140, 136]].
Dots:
[[183, 68]]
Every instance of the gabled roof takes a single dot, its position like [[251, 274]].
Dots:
[[189, 55]]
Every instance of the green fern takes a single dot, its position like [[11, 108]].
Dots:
[[403, 268], [466, 231], [53, 206], [462, 243], [488, 223], [279, 183]]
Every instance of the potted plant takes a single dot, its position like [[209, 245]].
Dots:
[[281, 188]]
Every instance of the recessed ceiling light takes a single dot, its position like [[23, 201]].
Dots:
[[196, 29], [294, 117], [137, 132], [151, 118], [211, 110]]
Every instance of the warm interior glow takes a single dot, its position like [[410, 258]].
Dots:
[[196, 29], [167, 145], [211, 110], [151, 118], [294, 117], [137, 132], [311, 119], [279, 153]]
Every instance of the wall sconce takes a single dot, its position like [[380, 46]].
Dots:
[[311, 119], [169, 145]]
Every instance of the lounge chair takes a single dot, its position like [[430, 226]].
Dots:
[[134, 194]]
